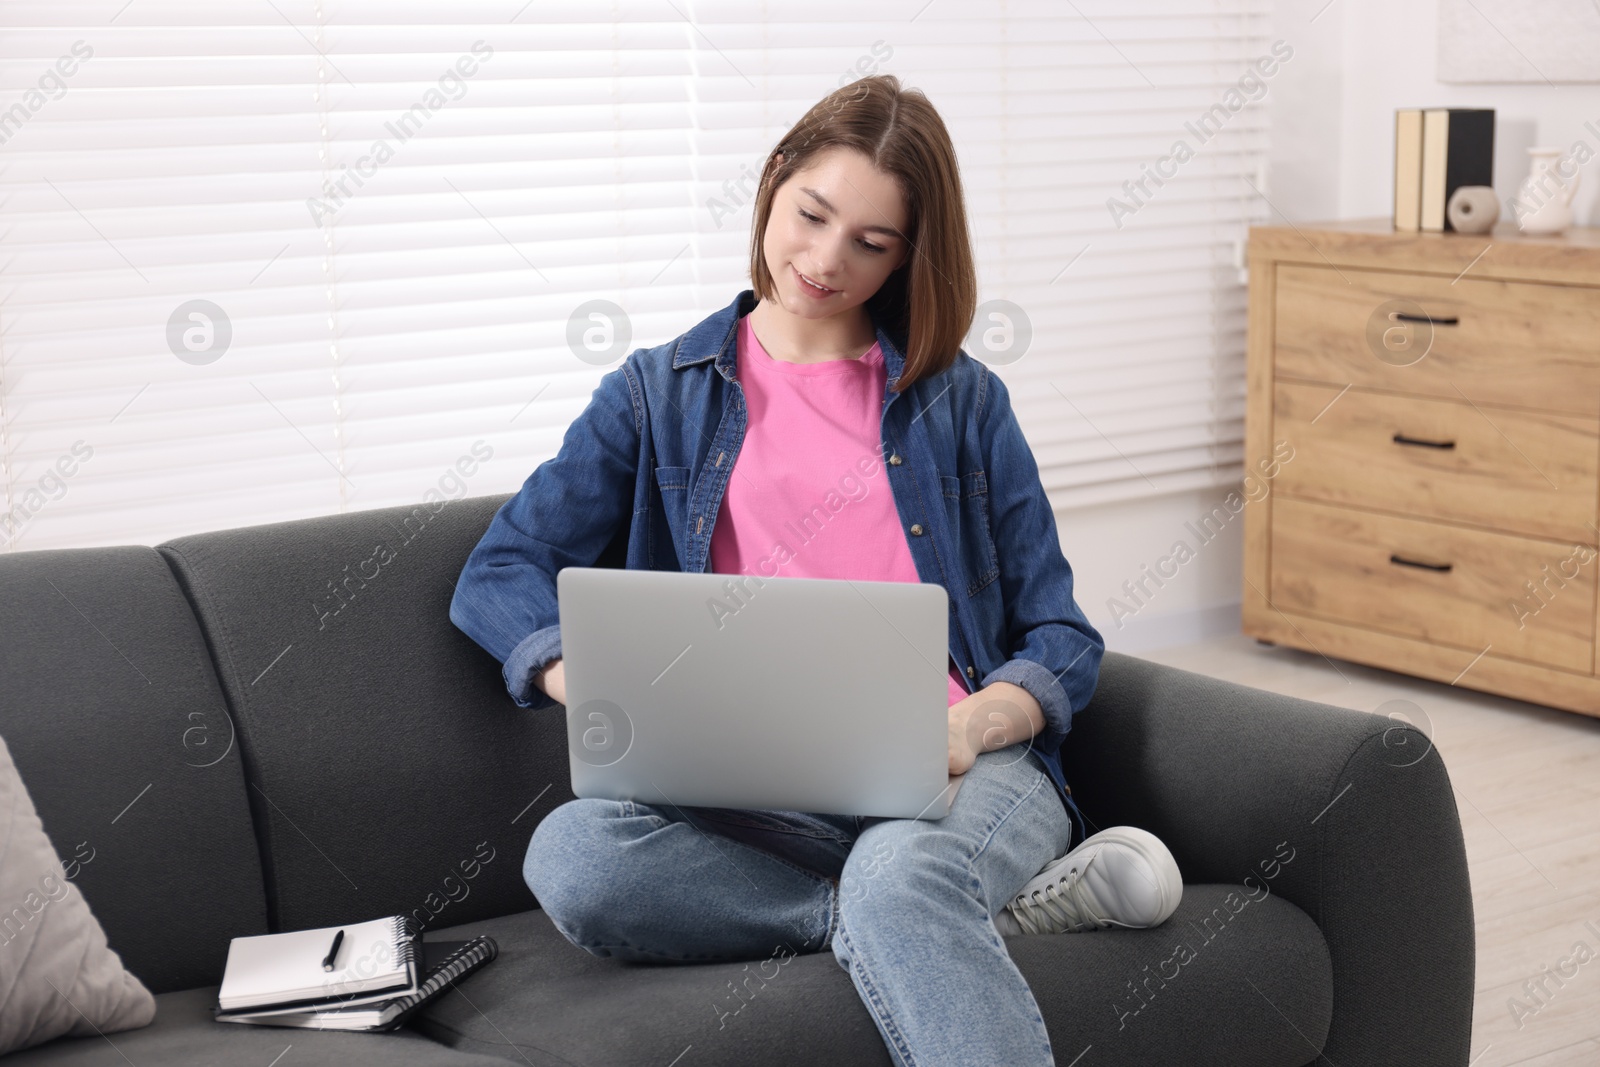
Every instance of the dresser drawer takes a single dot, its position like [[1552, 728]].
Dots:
[[1518, 343], [1503, 468], [1440, 583]]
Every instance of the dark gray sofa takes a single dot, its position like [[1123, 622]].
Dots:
[[316, 757]]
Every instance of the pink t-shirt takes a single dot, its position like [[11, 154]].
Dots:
[[797, 504]]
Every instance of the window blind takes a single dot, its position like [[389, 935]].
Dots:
[[269, 260]]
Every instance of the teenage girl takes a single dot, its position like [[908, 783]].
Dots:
[[864, 285]]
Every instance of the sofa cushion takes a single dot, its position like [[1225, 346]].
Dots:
[[116, 723], [185, 1035], [57, 976], [546, 1002], [390, 771]]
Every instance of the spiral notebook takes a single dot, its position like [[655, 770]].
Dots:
[[446, 962], [375, 960]]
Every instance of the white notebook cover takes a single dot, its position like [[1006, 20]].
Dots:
[[375, 957], [466, 957]]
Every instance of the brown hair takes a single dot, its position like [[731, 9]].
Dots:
[[928, 303]]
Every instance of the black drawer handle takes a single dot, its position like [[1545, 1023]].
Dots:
[[1401, 316], [1402, 439], [1442, 568]]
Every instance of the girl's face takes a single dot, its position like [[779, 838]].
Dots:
[[834, 234]]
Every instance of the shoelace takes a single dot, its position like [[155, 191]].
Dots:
[[1063, 900]]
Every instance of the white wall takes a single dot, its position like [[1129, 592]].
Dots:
[[1331, 111], [1114, 543], [1333, 115]]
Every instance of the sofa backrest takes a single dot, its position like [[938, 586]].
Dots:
[[118, 727], [389, 770]]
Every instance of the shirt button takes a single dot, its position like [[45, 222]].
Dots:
[[894, 460], [916, 528], [971, 672]]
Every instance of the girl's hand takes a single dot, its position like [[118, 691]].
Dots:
[[963, 753], [994, 717], [553, 680]]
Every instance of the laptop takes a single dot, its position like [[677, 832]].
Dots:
[[814, 695]]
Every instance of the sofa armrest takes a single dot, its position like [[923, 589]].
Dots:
[[1225, 774]]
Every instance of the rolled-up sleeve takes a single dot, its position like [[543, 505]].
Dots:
[[1055, 650], [564, 515]]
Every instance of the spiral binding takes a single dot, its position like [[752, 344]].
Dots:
[[459, 962], [407, 943], [469, 957]]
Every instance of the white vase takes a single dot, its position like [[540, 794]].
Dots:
[[1543, 203]]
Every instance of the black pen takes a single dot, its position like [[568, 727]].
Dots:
[[327, 961]]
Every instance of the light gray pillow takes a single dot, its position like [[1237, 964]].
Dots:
[[58, 977]]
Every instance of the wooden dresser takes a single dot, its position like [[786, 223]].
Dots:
[[1422, 454]]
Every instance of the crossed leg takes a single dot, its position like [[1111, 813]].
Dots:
[[911, 918]]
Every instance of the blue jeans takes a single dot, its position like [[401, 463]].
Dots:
[[912, 919]]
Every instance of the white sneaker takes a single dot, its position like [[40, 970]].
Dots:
[[1122, 876]]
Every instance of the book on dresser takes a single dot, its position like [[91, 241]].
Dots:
[[1408, 169], [364, 976], [1429, 404], [1457, 150], [1436, 152]]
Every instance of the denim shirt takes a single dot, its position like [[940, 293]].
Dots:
[[654, 451]]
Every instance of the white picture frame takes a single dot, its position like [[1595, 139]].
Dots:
[[1548, 42]]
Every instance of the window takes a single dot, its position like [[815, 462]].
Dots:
[[268, 260]]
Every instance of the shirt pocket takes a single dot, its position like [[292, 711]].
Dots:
[[673, 484], [672, 478], [966, 499]]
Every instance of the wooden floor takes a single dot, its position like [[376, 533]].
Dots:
[[1527, 785]]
